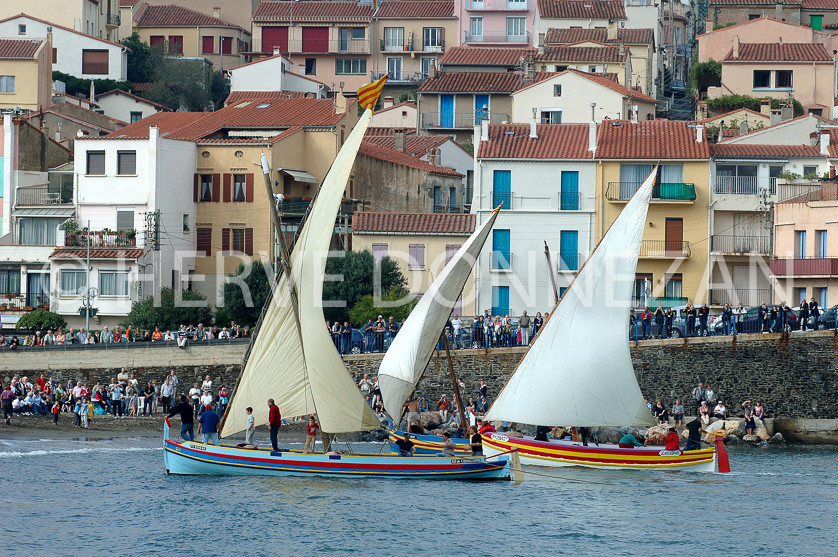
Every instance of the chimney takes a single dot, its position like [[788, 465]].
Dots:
[[825, 142], [776, 116], [534, 125], [765, 107], [340, 102], [277, 51], [484, 130], [387, 102], [634, 113], [216, 12], [699, 134], [432, 69], [541, 40], [813, 138], [592, 136], [781, 41], [831, 172], [92, 91], [611, 33], [778, 11], [743, 127], [400, 143], [786, 113], [735, 47]]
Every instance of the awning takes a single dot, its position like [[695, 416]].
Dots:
[[66, 212], [298, 175]]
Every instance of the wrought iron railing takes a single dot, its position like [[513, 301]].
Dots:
[[499, 197], [758, 245], [570, 200], [102, 239], [664, 191], [501, 260], [664, 248], [400, 77], [44, 195], [744, 185], [747, 296], [497, 37], [457, 120]]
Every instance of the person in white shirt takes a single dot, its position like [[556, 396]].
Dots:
[[365, 385], [169, 336], [206, 399], [720, 411], [207, 385], [251, 427], [456, 325], [224, 334], [195, 397]]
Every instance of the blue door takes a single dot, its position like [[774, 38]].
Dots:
[[570, 191], [501, 253], [500, 300], [446, 111], [480, 101], [438, 208], [569, 250], [502, 189]]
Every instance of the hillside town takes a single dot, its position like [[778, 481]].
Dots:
[[133, 133]]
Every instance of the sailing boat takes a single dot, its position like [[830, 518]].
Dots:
[[405, 361], [293, 360], [578, 370]]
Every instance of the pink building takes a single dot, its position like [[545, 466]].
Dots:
[[495, 22]]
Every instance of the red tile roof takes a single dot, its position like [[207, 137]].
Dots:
[[177, 16], [416, 9], [484, 56], [650, 140], [405, 104], [581, 53], [754, 112], [81, 253], [742, 150], [118, 92], [312, 10], [605, 82], [820, 4], [237, 96], [753, 2], [776, 52], [458, 224], [19, 49], [472, 82], [581, 9], [374, 151], [128, 3], [167, 122], [381, 131], [625, 36], [415, 145], [140, 87], [555, 142], [69, 30]]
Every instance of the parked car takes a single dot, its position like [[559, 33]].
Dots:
[[676, 87], [750, 322], [826, 320]]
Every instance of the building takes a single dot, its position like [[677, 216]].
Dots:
[[64, 122], [485, 22], [420, 243], [486, 58], [736, 122], [401, 115], [127, 107], [25, 74], [275, 74], [237, 12], [74, 52], [581, 14], [816, 14], [91, 17], [587, 57], [544, 179], [570, 96]]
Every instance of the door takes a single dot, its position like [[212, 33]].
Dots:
[[446, 111], [37, 289], [426, 67], [481, 107], [741, 275], [438, 208], [674, 235], [741, 232], [569, 196], [500, 300], [393, 39], [816, 22], [569, 250], [315, 39], [344, 39], [502, 189], [476, 28], [394, 68], [501, 258]]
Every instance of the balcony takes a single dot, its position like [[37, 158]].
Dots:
[[101, 239], [570, 201], [664, 249], [747, 296], [671, 192], [569, 261], [790, 191], [497, 37], [396, 45], [500, 261], [113, 20], [740, 245], [744, 185], [814, 267], [24, 302], [317, 46], [400, 77], [503, 198], [496, 6], [458, 120], [40, 196], [652, 303]]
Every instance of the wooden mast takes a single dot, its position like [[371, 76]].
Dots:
[[550, 272], [457, 396]]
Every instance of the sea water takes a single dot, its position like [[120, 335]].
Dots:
[[112, 496]]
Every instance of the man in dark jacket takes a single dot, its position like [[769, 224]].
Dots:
[[187, 421], [274, 420]]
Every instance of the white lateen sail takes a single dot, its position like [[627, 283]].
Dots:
[[578, 371], [411, 350], [298, 365]]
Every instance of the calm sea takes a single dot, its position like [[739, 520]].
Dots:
[[77, 497]]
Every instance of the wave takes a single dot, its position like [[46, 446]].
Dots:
[[19, 454]]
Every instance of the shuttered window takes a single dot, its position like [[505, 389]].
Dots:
[[238, 239], [175, 44], [7, 84], [96, 163], [156, 41], [126, 163], [226, 45], [94, 62], [207, 45], [417, 256], [379, 252], [204, 241], [124, 219], [238, 187]]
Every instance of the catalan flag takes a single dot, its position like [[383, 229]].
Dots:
[[368, 94]]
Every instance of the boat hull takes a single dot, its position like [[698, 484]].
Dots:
[[573, 453], [429, 444]]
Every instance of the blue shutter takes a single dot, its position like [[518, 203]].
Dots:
[[570, 191], [502, 189], [569, 250], [446, 111], [479, 102], [500, 300], [501, 258]]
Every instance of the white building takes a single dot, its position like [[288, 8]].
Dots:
[[73, 52], [275, 73], [402, 115], [135, 195], [545, 176], [126, 106]]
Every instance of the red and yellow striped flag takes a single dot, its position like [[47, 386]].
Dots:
[[368, 94]]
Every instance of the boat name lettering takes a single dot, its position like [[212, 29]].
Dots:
[[465, 460], [670, 453], [501, 438], [200, 448]]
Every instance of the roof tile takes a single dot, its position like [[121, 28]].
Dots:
[[177, 16], [625, 36], [605, 81], [415, 145], [581, 9], [375, 151], [19, 49], [479, 82], [649, 140], [484, 56], [555, 142], [753, 2], [416, 9], [581, 53], [313, 10], [820, 4], [417, 223], [779, 52], [743, 150]]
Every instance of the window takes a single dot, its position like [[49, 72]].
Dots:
[[94, 62], [551, 116], [762, 79], [7, 84], [311, 66], [95, 163], [674, 237], [783, 79], [810, 171], [450, 251], [206, 187], [207, 45], [426, 67], [54, 55], [238, 239], [476, 28], [775, 170], [9, 281], [359, 33], [823, 297], [517, 4], [642, 289], [516, 28], [156, 41], [569, 250], [226, 45], [37, 231], [21, 29], [379, 252], [416, 256], [432, 39], [557, 90], [350, 66], [502, 189], [800, 244], [175, 44], [113, 283], [126, 163], [673, 286], [801, 295], [501, 250], [754, 16], [393, 39], [452, 200], [71, 281], [124, 219], [239, 187], [820, 243], [136, 116], [500, 300], [204, 241], [185, 223]]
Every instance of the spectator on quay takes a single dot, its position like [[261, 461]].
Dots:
[[699, 396], [60, 337], [156, 336], [659, 319], [82, 336], [762, 318], [379, 330], [632, 323], [166, 394], [392, 328], [785, 312], [497, 331], [207, 384], [117, 335], [646, 320], [477, 332], [443, 405], [678, 413], [223, 400], [720, 411], [774, 315], [506, 327], [186, 419], [537, 323], [107, 336], [691, 313], [482, 404], [709, 396], [84, 410], [750, 424], [208, 426], [814, 311], [148, 394], [49, 338], [335, 330], [368, 335], [488, 331], [71, 337], [524, 327], [668, 316], [727, 318], [200, 333], [739, 314], [747, 407], [6, 398], [346, 338], [195, 395], [116, 399], [224, 334], [133, 403], [803, 314], [759, 411], [659, 410], [365, 385], [168, 336], [56, 409], [456, 326], [206, 400], [703, 316]]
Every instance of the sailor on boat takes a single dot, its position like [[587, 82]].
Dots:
[[629, 441]]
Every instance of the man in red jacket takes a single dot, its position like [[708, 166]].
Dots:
[[274, 420]]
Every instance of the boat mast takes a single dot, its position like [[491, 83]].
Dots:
[[550, 272], [457, 396]]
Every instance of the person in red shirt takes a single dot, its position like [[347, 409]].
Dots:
[[673, 442], [274, 420], [311, 430], [41, 382]]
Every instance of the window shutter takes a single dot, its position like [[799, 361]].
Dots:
[[248, 191], [195, 189], [204, 241], [216, 187], [225, 239], [248, 241], [227, 186]]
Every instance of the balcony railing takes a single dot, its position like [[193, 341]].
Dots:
[[804, 267], [44, 195], [747, 296], [20, 302], [569, 261], [103, 239], [664, 249], [745, 185], [113, 20], [756, 245], [790, 191], [501, 197], [396, 45], [496, 6], [652, 303], [501, 260], [570, 200], [458, 120], [502, 311], [317, 46], [497, 37], [674, 191], [401, 77]]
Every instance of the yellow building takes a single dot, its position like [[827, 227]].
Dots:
[[91, 17], [25, 73], [421, 244], [673, 256]]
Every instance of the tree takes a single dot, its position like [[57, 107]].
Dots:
[[170, 314], [728, 103], [181, 84], [705, 74], [41, 320], [75, 86], [142, 59], [359, 270], [237, 307], [366, 309]]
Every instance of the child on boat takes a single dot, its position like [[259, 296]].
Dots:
[[311, 430], [248, 432]]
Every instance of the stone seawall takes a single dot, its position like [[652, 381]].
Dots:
[[796, 376]]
